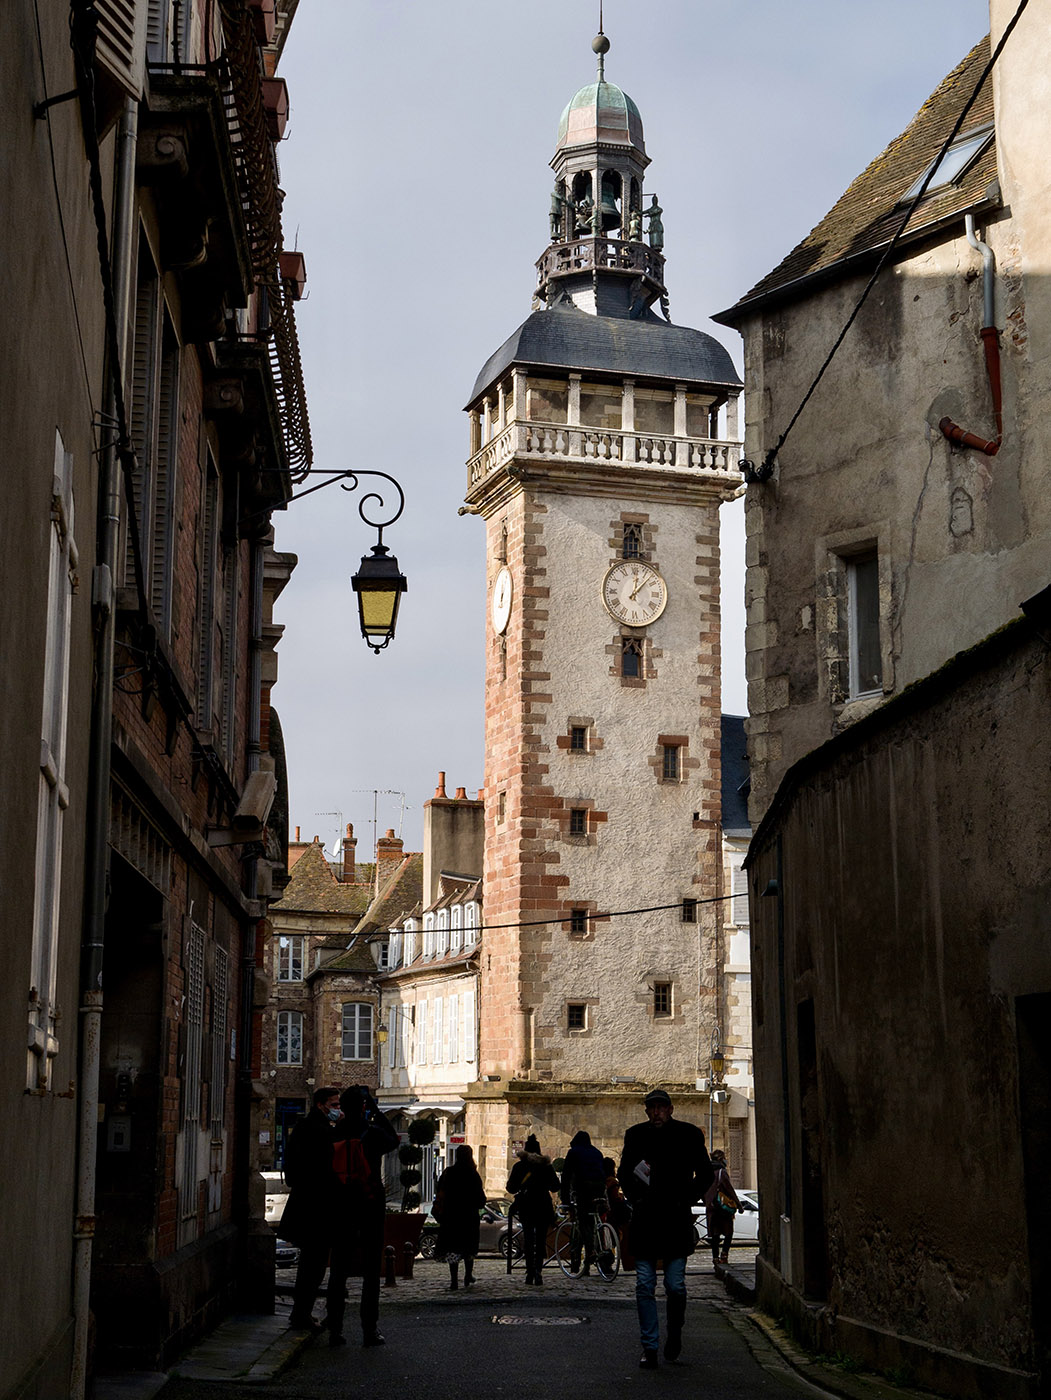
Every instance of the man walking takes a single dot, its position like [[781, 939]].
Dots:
[[310, 1211], [664, 1169]]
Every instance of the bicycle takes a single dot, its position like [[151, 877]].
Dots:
[[579, 1244]]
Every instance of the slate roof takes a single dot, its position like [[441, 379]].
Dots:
[[735, 776], [357, 958], [312, 888], [402, 892], [865, 218], [568, 338]]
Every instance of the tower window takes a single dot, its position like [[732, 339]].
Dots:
[[631, 547], [578, 921], [501, 806], [577, 1016], [689, 911], [671, 768], [578, 821], [662, 998], [578, 738], [631, 657]]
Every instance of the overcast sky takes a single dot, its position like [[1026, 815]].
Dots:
[[417, 181]]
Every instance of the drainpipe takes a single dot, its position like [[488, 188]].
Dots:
[[991, 339], [98, 802], [248, 961]]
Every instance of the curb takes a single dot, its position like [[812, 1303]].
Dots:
[[859, 1385]]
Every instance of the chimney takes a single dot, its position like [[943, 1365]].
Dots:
[[439, 791], [297, 834], [461, 794], [388, 857], [349, 846]]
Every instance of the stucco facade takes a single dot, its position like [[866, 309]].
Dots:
[[898, 546]]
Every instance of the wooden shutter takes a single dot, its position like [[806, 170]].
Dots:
[[165, 468], [121, 48]]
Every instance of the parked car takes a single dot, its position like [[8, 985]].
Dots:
[[746, 1222], [286, 1255], [492, 1230]]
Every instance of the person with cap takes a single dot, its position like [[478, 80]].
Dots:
[[664, 1169], [583, 1189], [531, 1182]]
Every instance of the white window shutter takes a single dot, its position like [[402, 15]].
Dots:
[[421, 1033], [740, 896], [469, 1048]]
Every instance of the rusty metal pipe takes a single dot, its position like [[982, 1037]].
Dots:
[[991, 340]]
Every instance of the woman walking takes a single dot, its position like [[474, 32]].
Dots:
[[721, 1205], [457, 1201], [531, 1182]]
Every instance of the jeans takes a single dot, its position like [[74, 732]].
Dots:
[[645, 1295]]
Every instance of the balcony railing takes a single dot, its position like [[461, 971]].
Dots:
[[583, 254], [628, 448]]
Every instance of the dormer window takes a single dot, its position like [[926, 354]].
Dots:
[[393, 950], [953, 165], [456, 938], [443, 931], [470, 925], [428, 935]]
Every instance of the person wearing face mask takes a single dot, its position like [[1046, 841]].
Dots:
[[312, 1200]]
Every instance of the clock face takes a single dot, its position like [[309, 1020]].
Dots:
[[503, 591], [634, 593]]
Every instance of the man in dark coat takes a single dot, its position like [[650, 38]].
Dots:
[[531, 1182], [363, 1138], [309, 1218], [664, 1169]]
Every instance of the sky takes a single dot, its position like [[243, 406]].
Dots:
[[417, 183]]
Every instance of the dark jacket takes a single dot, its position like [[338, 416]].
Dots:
[[584, 1173], [680, 1172], [458, 1198], [313, 1189], [531, 1182], [377, 1137]]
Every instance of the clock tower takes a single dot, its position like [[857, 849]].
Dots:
[[598, 466]]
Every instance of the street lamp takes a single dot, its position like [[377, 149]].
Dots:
[[716, 1066], [379, 583]]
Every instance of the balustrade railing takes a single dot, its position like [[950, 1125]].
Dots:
[[583, 254], [529, 439]]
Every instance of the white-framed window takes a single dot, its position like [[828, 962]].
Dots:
[[382, 955], [470, 1038], [409, 942], [393, 949], [290, 951], [437, 1039], [428, 935], [53, 794], [865, 660], [443, 931], [357, 1030], [470, 936], [454, 1030], [289, 1037], [421, 1033], [456, 932]]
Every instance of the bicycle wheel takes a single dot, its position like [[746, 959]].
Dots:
[[513, 1241], [607, 1256], [568, 1249]]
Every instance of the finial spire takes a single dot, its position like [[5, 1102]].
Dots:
[[600, 44]]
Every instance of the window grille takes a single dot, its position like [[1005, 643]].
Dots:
[[670, 765], [220, 978], [631, 657], [576, 1016], [632, 542], [578, 921], [689, 911], [662, 998], [578, 821], [578, 738]]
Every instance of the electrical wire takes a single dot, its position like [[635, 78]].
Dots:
[[766, 467], [599, 918]]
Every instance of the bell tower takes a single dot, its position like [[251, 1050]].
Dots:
[[603, 440]]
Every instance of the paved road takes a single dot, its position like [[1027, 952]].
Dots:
[[503, 1339]]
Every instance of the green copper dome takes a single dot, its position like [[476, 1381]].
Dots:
[[601, 113]]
